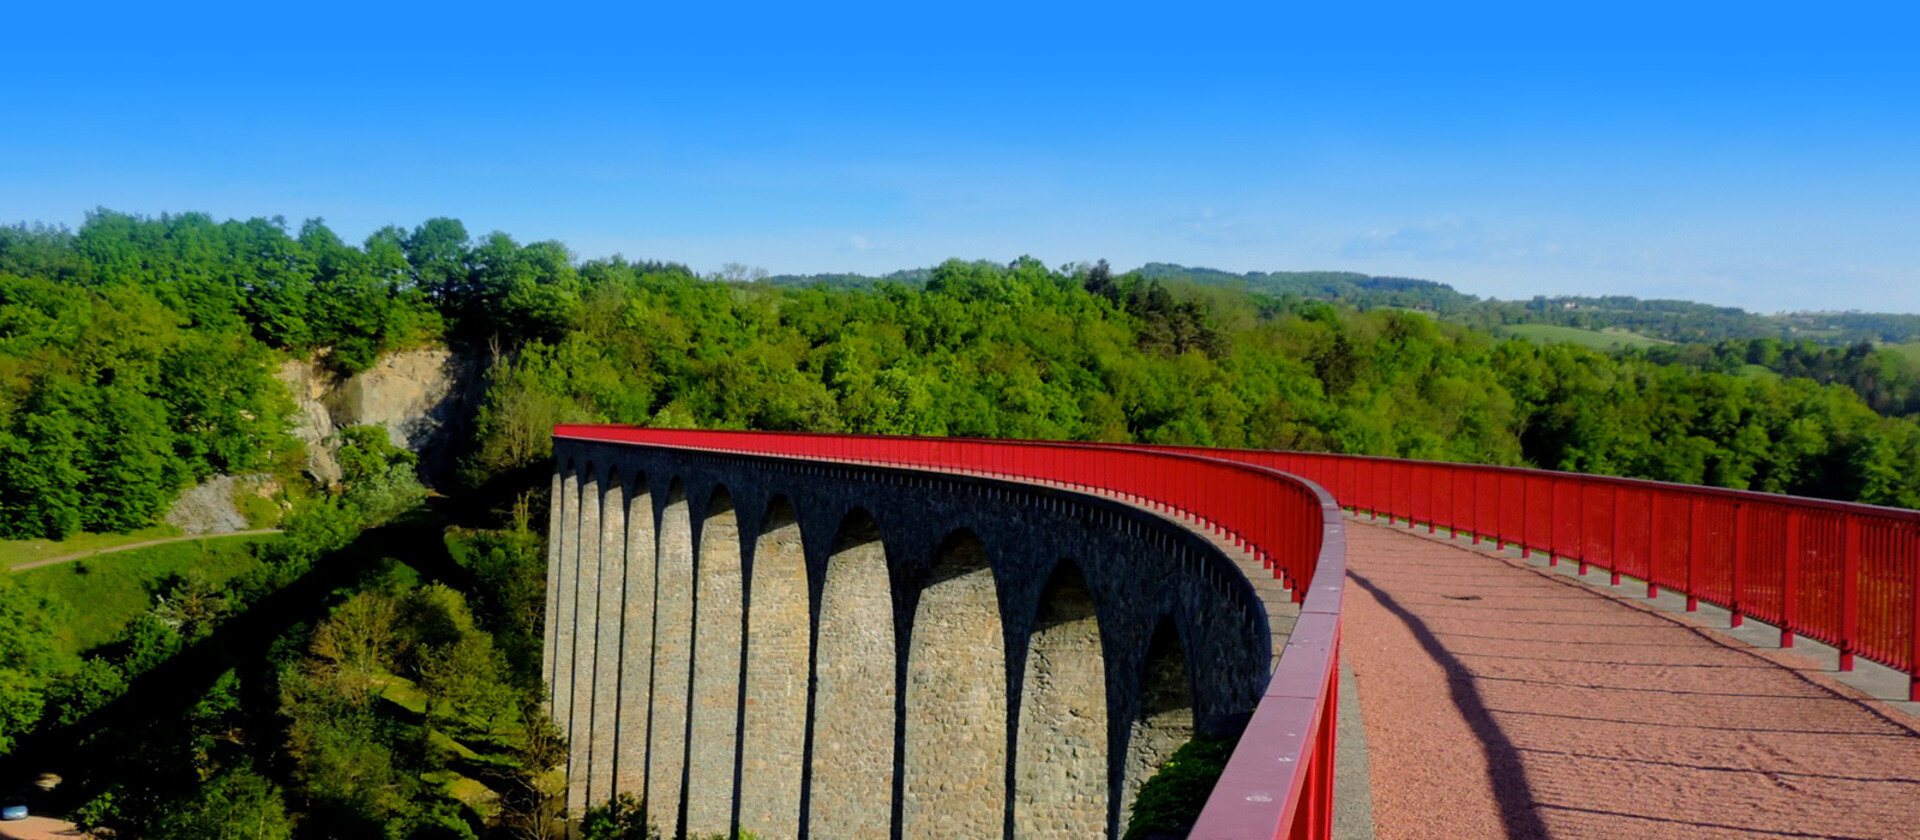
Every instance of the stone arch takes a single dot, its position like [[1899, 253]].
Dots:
[[555, 653], [586, 591], [604, 702], [851, 758], [1060, 772], [1164, 721], [714, 730], [636, 643], [672, 661], [955, 782], [774, 720]]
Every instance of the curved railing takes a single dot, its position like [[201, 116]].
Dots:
[[1279, 781], [1844, 574]]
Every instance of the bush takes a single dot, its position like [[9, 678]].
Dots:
[[1169, 802]]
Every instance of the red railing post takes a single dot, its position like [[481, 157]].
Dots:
[[1790, 580], [1696, 553], [1618, 540], [1499, 507], [1412, 500], [1739, 564], [1580, 526], [1473, 504], [1850, 593], [1526, 519], [1653, 544], [1913, 615], [1553, 522], [1432, 499]]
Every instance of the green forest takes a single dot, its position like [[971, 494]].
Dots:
[[372, 671]]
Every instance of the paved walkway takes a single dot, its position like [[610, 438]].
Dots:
[[82, 555], [40, 828], [1503, 700]]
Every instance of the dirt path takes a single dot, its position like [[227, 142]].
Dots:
[[1504, 701], [68, 558]]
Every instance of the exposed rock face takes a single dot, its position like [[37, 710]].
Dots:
[[424, 398], [207, 508]]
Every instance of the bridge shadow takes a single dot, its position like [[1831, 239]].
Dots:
[[105, 746], [1505, 771]]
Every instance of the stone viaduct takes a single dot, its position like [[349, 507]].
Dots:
[[866, 637], [798, 648]]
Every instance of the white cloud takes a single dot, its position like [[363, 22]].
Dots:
[[859, 244]]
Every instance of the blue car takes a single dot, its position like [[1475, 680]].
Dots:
[[13, 811]]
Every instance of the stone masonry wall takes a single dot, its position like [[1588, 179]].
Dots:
[[918, 660], [956, 700]]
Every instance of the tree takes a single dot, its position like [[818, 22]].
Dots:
[[234, 805]]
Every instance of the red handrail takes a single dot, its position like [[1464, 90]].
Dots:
[[1279, 780], [1841, 573], [1845, 574]]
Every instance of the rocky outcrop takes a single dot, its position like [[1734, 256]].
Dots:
[[207, 508], [213, 506], [424, 398]]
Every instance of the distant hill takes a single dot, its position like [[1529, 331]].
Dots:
[[1362, 290], [1657, 319], [912, 278]]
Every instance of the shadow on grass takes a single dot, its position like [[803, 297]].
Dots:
[[107, 746]]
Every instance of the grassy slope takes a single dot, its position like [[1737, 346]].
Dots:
[[14, 552], [1574, 335], [108, 591]]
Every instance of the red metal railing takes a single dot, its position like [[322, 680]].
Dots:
[[1279, 781], [1844, 574]]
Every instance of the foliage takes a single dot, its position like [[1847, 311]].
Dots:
[[27, 658], [378, 478], [363, 756], [509, 570], [1170, 800], [235, 805], [621, 818], [110, 403]]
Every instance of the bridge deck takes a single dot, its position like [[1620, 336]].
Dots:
[[1501, 700]]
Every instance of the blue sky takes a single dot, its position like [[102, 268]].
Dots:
[[1745, 154]]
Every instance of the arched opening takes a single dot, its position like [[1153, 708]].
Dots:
[[1060, 774], [1165, 720], [672, 661], [851, 767], [716, 671], [586, 600], [774, 722], [604, 716], [956, 700], [636, 644]]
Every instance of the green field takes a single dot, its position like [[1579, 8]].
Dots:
[[1596, 339], [104, 593], [15, 552]]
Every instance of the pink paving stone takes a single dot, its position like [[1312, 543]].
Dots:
[[1504, 701]]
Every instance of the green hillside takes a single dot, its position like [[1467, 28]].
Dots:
[[106, 592], [1596, 339], [16, 552]]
